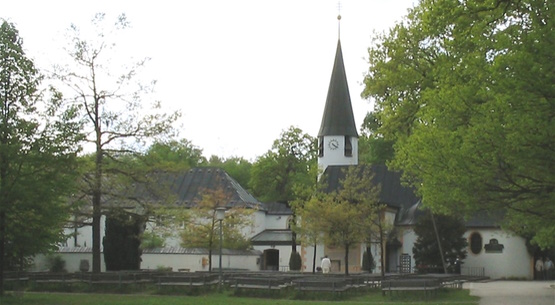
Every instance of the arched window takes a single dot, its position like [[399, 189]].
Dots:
[[475, 243]]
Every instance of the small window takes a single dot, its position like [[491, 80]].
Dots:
[[320, 146], [348, 147], [475, 243]]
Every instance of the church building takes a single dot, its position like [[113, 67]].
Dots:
[[492, 251]]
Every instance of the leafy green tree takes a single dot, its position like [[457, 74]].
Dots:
[[451, 236], [174, 155], [116, 117], [368, 263], [373, 148], [202, 230], [344, 216], [38, 146], [287, 166], [237, 167], [465, 90]]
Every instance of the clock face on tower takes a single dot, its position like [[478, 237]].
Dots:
[[333, 144]]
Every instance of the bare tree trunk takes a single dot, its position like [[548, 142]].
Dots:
[[314, 260], [347, 259], [439, 243]]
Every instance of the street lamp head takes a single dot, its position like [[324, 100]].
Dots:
[[220, 213]]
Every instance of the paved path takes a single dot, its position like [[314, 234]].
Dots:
[[514, 292]]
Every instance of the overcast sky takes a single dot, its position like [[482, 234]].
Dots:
[[240, 71]]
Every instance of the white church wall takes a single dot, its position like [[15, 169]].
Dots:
[[72, 261], [408, 239], [513, 261], [83, 235], [307, 255], [259, 220], [284, 254], [199, 262], [189, 262], [276, 222]]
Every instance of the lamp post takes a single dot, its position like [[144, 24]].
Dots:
[[220, 214]]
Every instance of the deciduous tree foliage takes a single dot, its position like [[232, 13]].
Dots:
[[174, 155], [276, 173], [288, 166], [465, 90], [451, 235], [203, 228], [118, 121], [38, 146], [343, 217]]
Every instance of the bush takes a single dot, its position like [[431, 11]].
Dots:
[[57, 263], [295, 261], [368, 263]]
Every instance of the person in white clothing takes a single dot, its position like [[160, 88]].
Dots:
[[326, 264]]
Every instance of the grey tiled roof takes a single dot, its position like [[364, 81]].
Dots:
[[393, 193], [201, 251], [277, 208], [272, 237], [168, 250], [187, 188]]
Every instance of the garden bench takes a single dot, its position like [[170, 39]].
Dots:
[[426, 285], [54, 278], [116, 278], [334, 285], [257, 282], [189, 280]]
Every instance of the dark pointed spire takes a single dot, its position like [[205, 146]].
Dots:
[[338, 116]]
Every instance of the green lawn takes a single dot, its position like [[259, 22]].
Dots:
[[460, 297]]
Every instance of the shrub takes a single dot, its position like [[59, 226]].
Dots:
[[57, 263], [295, 261]]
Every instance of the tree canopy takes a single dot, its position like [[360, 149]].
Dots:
[[39, 137], [465, 91], [202, 229], [117, 118], [426, 249], [288, 164], [343, 217]]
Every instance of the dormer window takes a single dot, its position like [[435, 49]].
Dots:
[[348, 147]]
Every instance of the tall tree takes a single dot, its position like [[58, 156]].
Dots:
[[465, 90], [285, 167], [117, 119], [451, 236], [38, 146], [344, 216], [174, 155], [373, 148]]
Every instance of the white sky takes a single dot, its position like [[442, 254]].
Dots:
[[240, 71]]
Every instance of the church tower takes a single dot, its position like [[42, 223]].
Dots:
[[338, 137]]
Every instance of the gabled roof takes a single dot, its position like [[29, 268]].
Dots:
[[481, 219], [338, 116], [273, 237], [277, 208], [187, 188], [393, 193]]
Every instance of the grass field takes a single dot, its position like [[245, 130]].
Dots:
[[460, 297]]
